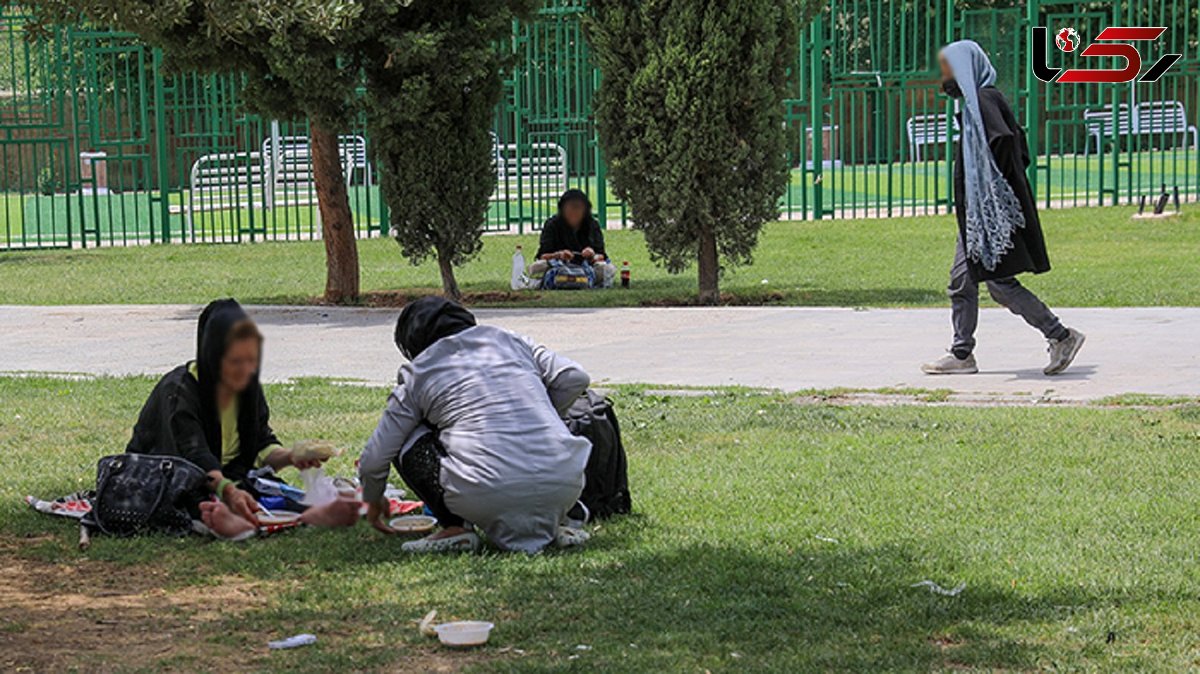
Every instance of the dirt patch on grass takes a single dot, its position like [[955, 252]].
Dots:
[[727, 300], [395, 299], [95, 616]]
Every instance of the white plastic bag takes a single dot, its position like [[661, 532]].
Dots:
[[319, 488]]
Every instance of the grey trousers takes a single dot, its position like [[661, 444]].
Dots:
[[1008, 292]]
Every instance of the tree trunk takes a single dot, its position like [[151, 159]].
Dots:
[[449, 283], [710, 269], [337, 223]]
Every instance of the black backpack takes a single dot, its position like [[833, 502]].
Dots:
[[606, 492]]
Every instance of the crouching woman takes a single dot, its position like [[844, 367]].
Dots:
[[474, 428], [212, 412]]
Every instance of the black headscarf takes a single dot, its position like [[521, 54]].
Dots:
[[212, 335], [426, 321], [576, 195]]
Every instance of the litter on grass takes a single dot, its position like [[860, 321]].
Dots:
[[292, 642], [938, 589], [426, 624]]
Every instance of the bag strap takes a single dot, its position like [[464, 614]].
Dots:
[[166, 467]]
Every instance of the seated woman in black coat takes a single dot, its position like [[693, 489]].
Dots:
[[212, 412]]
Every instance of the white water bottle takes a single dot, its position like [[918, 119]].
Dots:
[[518, 270]]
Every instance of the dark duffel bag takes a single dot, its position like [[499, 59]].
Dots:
[[606, 492]]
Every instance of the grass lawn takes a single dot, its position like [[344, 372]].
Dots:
[[769, 536], [1101, 258]]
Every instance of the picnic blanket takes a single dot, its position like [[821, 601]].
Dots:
[[77, 504]]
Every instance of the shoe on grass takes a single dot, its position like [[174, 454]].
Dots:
[[467, 542], [951, 364], [1063, 351], [569, 537], [577, 517]]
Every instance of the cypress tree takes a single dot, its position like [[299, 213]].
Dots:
[[690, 117], [431, 94]]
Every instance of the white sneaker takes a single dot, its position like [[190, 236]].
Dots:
[[467, 542], [1063, 351], [568, 537], [951, 364]]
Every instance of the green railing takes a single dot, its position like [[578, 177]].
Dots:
[[100, 146], [868, 80]]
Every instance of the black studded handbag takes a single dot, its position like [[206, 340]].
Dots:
[[145, 493]]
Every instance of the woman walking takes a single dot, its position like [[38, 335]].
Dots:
[[999, 234]]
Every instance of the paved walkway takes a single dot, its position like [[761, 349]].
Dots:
[[1150, 351]]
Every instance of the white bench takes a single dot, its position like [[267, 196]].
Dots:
[[930, 130], [253, 180], [537, 171], [1103, 123], [1148, 118], [353, 149], [1165, 118], [224, 181]]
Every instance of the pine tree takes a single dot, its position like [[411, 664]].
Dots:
[[690, 117]]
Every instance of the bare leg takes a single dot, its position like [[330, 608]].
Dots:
[[333, 515], [222, 521]]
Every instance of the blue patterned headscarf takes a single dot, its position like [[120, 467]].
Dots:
[[993, 212]]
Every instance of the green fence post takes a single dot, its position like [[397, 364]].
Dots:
[[601, 187], [817, 82], [1032, 102], [601, 196], [160, 128], [951, 108], [518, 43], [385, 225]]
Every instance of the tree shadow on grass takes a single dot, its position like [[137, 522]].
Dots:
[[616, 607], [639, 598], [713, 607]]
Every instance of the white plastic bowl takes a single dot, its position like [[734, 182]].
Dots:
[[463, 634], [413, 524], [277, 518]]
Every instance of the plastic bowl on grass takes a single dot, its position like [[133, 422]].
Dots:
[[413, 524], [464, 634], [277, 518]]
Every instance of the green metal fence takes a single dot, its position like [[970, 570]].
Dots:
[[100, 146], [868, 82]]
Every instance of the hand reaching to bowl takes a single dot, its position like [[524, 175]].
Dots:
[[375, 516]]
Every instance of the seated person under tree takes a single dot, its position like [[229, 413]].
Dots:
[[574, 235]]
